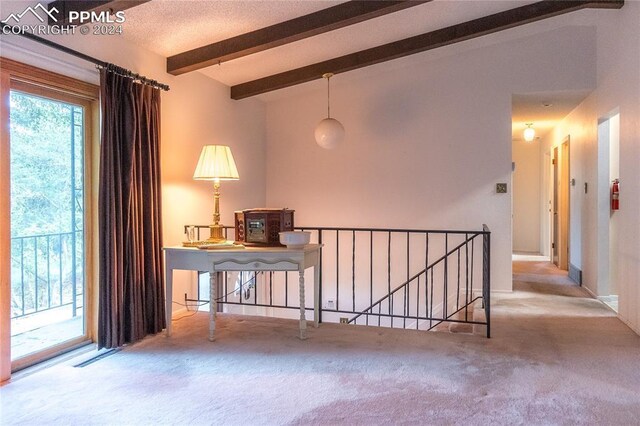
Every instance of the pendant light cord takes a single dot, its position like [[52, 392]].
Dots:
[[328, 76], [328, 98]]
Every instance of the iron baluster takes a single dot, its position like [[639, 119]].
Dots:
[[466, 287], [320, 276], [418, 303], [406, 292], [431, 302], [389, 273], [472, 261], [353, 270], [370, 271], [337, 269], [458, 284], [486, 284], [446, 277], [426, 275]]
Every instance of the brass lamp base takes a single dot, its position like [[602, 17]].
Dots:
[[216, 234]]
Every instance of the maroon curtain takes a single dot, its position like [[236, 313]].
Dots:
[[131, 283]]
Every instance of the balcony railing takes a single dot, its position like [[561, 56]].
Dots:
[[47, 272]]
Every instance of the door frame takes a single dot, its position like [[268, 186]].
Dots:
[[554, 219], [560, 220], [18, 76]]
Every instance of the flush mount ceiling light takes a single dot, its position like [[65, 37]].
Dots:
[[529, 132], [329, 132]]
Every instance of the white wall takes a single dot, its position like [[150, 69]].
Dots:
[[425, 144], [618, 89], [614, 226], [619, 85], [603, 213], [526, 196]]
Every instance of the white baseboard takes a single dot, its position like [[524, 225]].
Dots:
[[591, 293]]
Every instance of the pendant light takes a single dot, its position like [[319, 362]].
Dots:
[[329, 132], [529, 132]]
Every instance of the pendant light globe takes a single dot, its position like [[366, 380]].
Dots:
[[329, 132]]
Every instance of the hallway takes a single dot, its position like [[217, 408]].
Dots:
[[543, 291], [545, 278]]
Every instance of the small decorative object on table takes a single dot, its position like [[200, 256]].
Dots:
[[226, 245], [192, 241], [260, 227], [295, 239]]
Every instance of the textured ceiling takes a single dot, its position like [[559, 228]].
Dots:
[[169, 27]]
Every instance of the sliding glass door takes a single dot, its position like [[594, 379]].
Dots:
[[48, 244]]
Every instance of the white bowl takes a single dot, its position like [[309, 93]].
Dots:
[[295, 239]]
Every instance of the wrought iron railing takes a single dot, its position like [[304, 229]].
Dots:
[[399, 278], [47, 272], [429, 300]]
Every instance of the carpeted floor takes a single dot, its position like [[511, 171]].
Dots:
[[556, 357]]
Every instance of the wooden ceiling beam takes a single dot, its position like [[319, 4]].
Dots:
[[409, 46], [64, 7], [332, 18]]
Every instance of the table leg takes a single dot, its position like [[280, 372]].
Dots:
[[303, 320], [213, 305], [168, 296], [316, 296]]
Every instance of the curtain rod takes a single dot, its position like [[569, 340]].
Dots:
[[100, 64]]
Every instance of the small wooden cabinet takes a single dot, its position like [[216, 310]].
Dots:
[[262, 227]]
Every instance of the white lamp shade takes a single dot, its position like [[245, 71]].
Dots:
[[329, 133], [529, 134], [216, 162]]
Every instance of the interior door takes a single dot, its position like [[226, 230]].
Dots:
[[563, 210], [554, 208]]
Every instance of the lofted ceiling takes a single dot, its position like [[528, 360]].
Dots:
[[173, 27], [196, 23]]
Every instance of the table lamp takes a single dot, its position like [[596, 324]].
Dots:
[[216, 164]]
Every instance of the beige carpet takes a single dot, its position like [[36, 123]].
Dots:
[[557, 357]]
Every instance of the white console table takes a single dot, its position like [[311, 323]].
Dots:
[[247, 259]]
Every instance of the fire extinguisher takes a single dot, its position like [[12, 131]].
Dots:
[[615, 194]]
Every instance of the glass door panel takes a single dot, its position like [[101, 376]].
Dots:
[[47, 224]]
